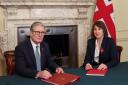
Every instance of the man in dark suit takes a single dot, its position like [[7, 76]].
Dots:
[[33, 58]]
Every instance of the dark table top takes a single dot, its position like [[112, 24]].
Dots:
[[116, 76]]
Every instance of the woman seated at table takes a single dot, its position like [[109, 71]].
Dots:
[[101, 49]]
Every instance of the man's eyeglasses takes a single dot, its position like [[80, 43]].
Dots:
[[39, 33]]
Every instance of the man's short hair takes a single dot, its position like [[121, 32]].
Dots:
[[36, 24]]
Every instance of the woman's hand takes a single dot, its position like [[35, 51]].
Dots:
[[88, 66], [102, 67]]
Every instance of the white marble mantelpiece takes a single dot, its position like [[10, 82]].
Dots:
[[47, 3], [51, 14]]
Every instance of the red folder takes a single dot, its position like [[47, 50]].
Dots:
[[62, 79], [96, 72]]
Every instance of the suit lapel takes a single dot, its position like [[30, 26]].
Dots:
[[42, 54], [93, 47], [102, 46], [31, 53]]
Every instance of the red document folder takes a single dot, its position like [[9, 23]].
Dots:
[[96, 72], [62, 79]]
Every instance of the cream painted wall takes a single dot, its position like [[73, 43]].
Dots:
[[121, 22], [121, 16]]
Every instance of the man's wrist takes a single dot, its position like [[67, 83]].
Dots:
[[37, 75]]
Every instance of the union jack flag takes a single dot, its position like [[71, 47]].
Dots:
[[104, 12]]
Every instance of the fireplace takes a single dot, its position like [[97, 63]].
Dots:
[[62, 41], [58, 43]]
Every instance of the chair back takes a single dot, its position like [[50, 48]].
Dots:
[[119, 49], [10, 61]]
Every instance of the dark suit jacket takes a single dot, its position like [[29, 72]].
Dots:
[[25, 59], [108, 52]]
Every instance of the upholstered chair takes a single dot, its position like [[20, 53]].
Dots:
[[10, 61], [119, 49]]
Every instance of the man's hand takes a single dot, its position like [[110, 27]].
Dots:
[[88, 66], [44, 74], [59, 70]]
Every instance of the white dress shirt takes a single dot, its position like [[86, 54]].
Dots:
[[34, 46], [97, 50]]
